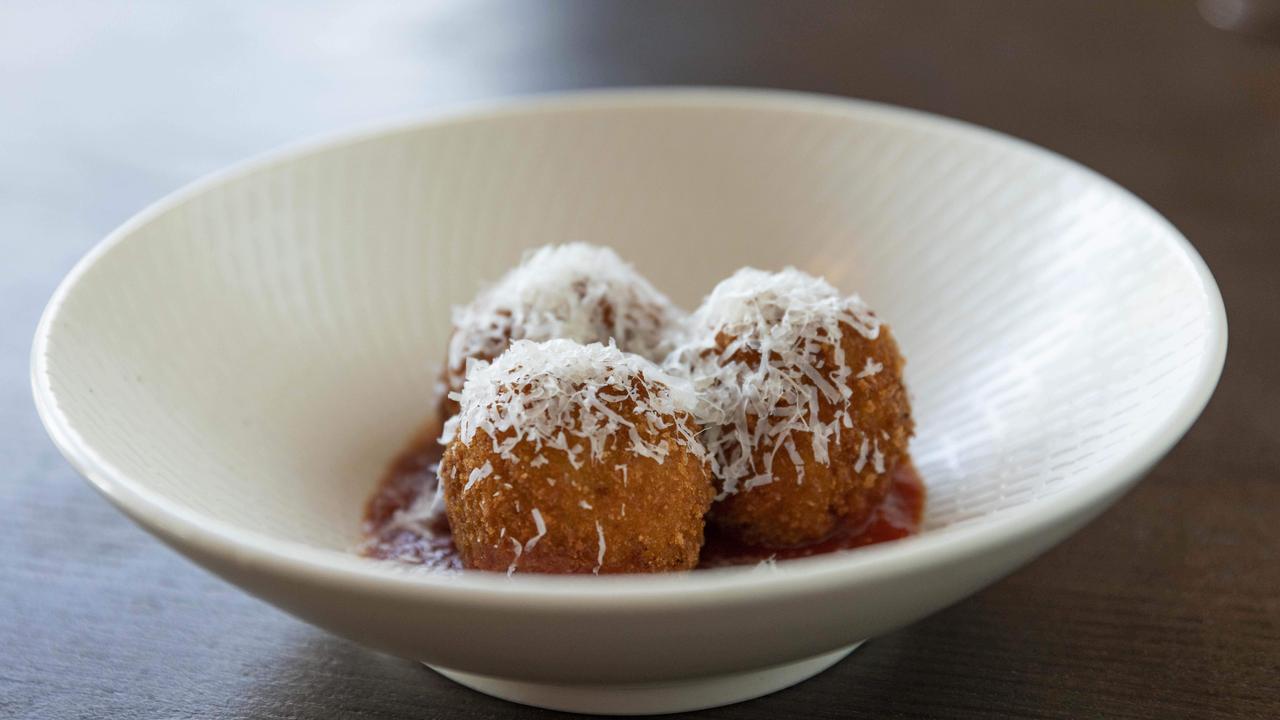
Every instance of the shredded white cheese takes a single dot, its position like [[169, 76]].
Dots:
[[512, 567], [559, 395], [577, 292], [861, 462], [600, 555], [422, 514], [478, 474], [790, 319], [871, 368], [541, 526]]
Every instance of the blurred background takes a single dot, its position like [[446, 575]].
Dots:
[[106, 106]]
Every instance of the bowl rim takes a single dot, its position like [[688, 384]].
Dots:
[[216, 538]]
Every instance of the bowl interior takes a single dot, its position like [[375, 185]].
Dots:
[[257, 349]]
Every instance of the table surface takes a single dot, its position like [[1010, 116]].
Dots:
[[1166, 606]]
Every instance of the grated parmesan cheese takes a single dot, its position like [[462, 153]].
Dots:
[[479, 474], [422, 514], [541, 526], [519, 549], [577, 292], [556, 395], [787, 318], [871, 368], [600, 555]]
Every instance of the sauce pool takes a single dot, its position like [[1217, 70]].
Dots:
[[898, 516], [412, 475]]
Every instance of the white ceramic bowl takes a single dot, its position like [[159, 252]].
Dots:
[[235, 366]]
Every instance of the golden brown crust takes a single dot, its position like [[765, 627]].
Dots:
[[786, 512], [651, 515]]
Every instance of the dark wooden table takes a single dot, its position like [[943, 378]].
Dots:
[[1165, 607]]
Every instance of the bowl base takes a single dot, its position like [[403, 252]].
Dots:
[[650, 698]]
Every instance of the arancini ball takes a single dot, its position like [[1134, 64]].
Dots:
[[570, 458], [803, 401]]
